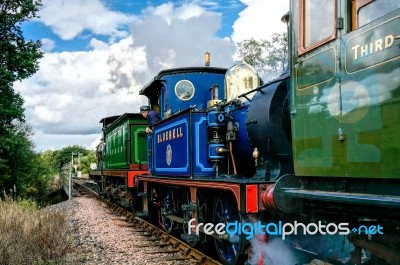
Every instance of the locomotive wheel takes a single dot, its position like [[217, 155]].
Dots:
[[168, 207], [225, 211]]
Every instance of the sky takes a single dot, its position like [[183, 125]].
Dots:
[[99, 54]]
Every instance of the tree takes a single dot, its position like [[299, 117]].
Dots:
[[48, 157], [64, 156], [265, 55], [252, 52], [277, 57], [19, 59], [87, 160], [19, 163]]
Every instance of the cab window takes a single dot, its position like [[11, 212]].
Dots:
[[369, 10], [317, 23]]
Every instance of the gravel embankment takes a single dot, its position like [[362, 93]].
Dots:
[[102, 238]]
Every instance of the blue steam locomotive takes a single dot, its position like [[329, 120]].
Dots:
[[318, 144], [206, 161]]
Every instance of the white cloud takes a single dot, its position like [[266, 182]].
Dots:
[[57, 141], [72, 91], [45, 114], [173, 40], [70, 18], [96, 44], [260, 19], [47, 44]]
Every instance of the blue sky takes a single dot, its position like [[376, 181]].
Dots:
[[229, 11], [99, 54]]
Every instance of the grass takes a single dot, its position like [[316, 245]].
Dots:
[[29, 235]]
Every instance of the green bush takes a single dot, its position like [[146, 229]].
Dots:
[[32, 236]]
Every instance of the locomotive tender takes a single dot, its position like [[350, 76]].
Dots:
[[318, 143]]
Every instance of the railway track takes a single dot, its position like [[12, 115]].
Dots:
[[153, 236]]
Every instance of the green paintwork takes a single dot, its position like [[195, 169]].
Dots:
[[345, 99], [126, 141], [316, 69]]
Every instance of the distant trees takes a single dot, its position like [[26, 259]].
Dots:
[[20, 166], [64, 155], [265, 55]]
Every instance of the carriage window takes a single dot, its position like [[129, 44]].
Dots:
[[317, 22], [371, 10]]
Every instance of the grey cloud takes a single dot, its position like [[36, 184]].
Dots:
[[72, 91], [188, 39]]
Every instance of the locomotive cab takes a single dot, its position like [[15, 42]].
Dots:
[[178, 142], [179, 89]]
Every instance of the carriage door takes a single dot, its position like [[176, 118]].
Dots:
[[138, 144], [369, 59], [314, 76]]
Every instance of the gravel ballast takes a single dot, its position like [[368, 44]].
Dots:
[[100, 237]]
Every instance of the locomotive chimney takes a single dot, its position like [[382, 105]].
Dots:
[[207, 59]]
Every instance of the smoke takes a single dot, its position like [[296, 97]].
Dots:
[[127, 67], [274, 252], [299, 249]]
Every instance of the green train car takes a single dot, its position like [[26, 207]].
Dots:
[[346, 89], [125, 142], [344, 109], [345, 94], [121, 155]]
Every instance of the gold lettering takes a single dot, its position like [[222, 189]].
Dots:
[[378, 45], [375, 46], [169, 135], [389, 41], [355, 49], [364, 51]]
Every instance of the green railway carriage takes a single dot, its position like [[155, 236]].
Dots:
[[346, 88], [121, 154], [345, 92], [125, 142]]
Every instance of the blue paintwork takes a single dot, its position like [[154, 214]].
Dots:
[[180, 146], [242, 148], [161, 90], [202, 83]]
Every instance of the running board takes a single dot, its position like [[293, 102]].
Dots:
[[346, 197]]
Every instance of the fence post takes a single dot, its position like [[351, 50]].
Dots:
[[70, 183]]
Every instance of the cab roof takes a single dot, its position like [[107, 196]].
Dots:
[[152, 87]]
